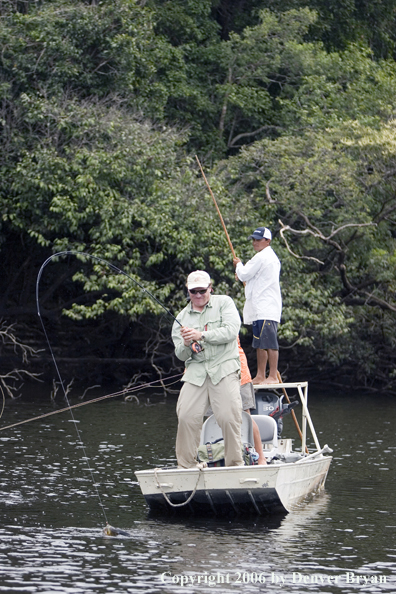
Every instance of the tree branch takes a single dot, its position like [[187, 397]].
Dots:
[[282, 231], [267, 193], [370, 298], [245, 134]]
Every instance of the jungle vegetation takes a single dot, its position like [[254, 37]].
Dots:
[[290, 107]]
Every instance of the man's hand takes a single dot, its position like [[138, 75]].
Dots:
[[190, 335], [235, 262]]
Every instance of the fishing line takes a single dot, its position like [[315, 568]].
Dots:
[[118, 271], [107, 396]]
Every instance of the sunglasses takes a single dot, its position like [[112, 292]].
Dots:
[[198, 291]]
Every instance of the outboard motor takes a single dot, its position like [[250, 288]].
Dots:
[[269, 403]]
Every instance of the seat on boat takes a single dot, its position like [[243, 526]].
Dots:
[[211, 431], [268, 431]]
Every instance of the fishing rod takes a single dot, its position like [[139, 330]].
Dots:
[[102, 261], [194, 346], [69, 407]]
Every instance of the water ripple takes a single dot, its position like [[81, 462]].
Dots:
[[51, 537]]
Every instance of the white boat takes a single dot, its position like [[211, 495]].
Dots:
[[289, 477]]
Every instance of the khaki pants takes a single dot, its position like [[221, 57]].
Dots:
[[225, 400]]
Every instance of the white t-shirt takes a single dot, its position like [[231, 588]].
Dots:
[[262, 289]]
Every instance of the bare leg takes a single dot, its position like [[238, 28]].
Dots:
[[273, 367], [258, 446], [262, 358]]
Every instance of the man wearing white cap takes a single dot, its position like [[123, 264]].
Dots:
[[211, 374], [263, 306]]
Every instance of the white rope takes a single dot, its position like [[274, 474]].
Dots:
[[199, 467]]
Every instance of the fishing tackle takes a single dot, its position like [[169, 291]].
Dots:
[[108, 530], [195, 347]]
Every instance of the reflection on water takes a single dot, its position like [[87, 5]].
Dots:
[[51, 519]]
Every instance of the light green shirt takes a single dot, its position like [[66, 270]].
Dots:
[[220, 322]]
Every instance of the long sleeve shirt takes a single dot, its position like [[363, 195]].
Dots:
[[220, 322], [262, 288]]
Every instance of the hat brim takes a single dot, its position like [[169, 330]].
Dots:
[[197, 286]]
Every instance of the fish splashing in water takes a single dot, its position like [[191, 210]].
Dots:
[[110, 531]]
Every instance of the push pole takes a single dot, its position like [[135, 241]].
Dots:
[[217, 208], [234, 255]]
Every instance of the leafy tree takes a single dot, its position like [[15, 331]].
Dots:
[[86, 49], [349, 21], [228, 95], [101, 106], [335, 233], [338, 86]]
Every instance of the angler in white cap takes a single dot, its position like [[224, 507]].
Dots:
[[205, 338], [263, 306]]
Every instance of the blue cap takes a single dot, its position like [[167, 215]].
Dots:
[[261, 233]]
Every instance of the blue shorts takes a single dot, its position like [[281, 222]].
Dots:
[[265, 335]]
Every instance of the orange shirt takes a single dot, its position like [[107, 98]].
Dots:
[[245, 372]]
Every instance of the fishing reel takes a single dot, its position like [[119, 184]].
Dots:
[[196, 347]]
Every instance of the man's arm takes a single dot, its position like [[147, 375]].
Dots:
[[247, 271], [182, 351]]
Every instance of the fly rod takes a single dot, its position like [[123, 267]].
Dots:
[[106, 263], [195, 346], [108, 530]]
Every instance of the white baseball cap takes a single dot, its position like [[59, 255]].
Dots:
[[198, 278]]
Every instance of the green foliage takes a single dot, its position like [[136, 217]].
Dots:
[[338, 86], [227, 90], [184, 22], [341, 22], [87, 49], [104, 105], [335, 234]]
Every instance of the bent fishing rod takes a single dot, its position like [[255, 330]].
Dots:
[[118, 271], [195, 346]]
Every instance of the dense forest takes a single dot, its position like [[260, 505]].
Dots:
[[290, 107]]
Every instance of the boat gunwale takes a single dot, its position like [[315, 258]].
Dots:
[[253, 467]]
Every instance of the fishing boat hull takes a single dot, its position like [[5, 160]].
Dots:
[[224, 491]]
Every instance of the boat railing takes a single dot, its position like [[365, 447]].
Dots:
[[302, 389]]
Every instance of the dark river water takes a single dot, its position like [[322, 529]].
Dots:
[[52, 491]]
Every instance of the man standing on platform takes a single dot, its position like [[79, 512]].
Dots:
[[263, 306], [212, 370]]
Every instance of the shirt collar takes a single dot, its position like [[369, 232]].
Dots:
[[209, 304]]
